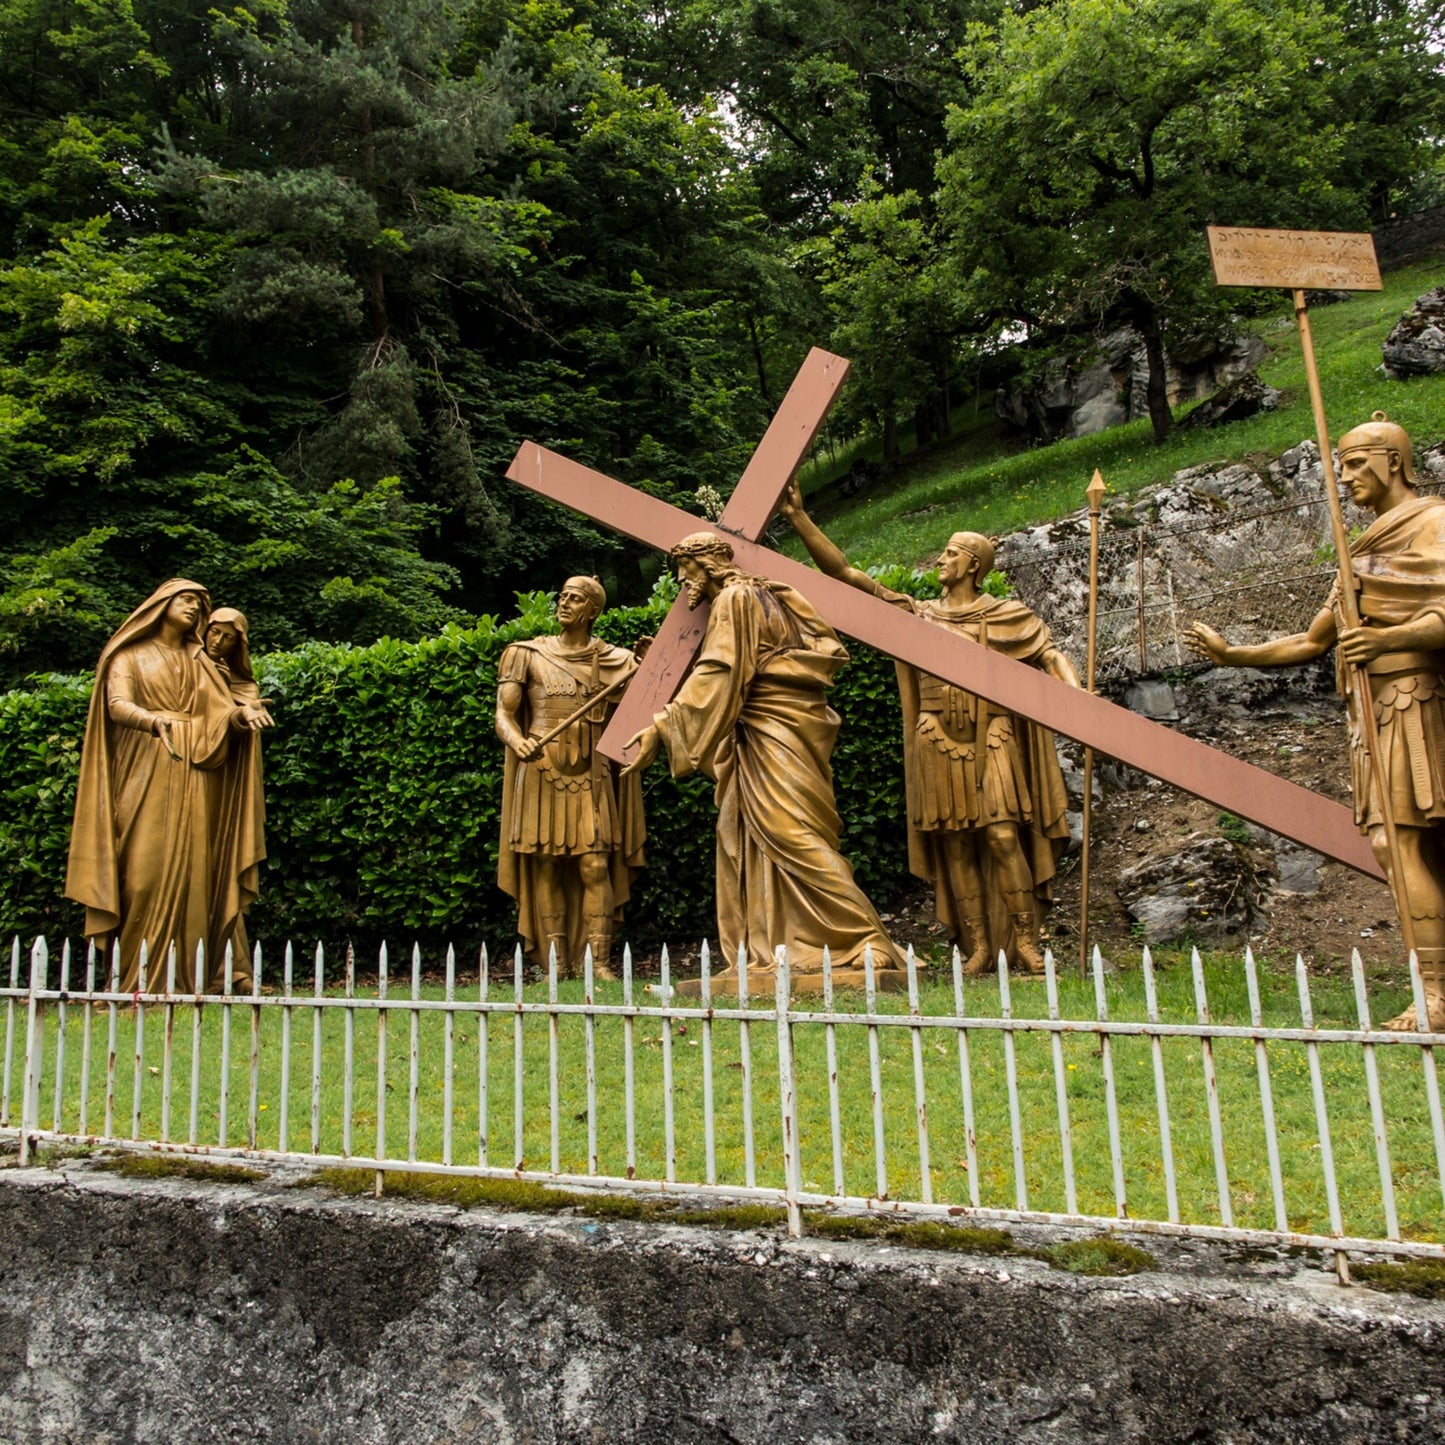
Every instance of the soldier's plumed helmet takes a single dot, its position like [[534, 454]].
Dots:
[[1381, 435]]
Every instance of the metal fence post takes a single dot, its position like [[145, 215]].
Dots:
[[787, 1094], [30, 1090], [9, 1032]]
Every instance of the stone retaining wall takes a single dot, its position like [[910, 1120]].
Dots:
[[170, 1311]]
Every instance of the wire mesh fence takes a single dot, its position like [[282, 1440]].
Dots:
[[1226, 1102], [1250, 572]]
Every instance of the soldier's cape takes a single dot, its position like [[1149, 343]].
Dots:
[[1016, 632]]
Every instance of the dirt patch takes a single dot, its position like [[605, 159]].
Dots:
[[1141, 818]]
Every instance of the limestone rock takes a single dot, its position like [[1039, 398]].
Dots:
[[1205, 525], [1299, 867], [1107, 384], [1252, 534], [1244, 693], [1416, 345], [1074, 782], [1208, 888], [1243, 397], [1153, 698]]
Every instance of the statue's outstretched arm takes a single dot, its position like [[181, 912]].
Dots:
[[825, 552], [1056, 664], [1282, 652]]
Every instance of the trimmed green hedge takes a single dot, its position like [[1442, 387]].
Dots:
[[383, 793]]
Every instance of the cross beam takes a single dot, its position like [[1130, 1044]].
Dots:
[[747, 513], [1241, 788]]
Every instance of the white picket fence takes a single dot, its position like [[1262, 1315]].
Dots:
[[78, 1069]]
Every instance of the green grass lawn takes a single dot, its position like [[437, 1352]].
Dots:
[[1415, 1172], [984, 485]]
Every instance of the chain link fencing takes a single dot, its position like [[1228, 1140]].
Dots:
[[1218, 545]]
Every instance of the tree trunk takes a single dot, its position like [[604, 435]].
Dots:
[[372, 279], [890, 435], [944, 400], [375, 284], [1157, 388], [764, 389]]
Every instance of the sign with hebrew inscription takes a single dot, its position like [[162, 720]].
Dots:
[[1300, 260]]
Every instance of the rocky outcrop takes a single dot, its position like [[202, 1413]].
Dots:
[[1298, 866], [1207, 889], [1107, 385], [1207, 528], [1416, 343], [1243, 397]]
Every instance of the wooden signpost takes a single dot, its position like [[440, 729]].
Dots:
[[1333, 260], [1095, 494]]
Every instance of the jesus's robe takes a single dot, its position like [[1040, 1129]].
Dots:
[[753, 715]]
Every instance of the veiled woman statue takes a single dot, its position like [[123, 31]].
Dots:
[[146, 858], [240, 822]]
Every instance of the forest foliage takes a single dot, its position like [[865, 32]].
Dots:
[[282, 286]]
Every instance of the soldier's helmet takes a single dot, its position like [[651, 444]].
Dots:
[[1379, 434]]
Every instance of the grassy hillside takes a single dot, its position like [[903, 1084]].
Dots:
[[988, 482]]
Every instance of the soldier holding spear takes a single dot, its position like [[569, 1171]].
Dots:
[[572, 828], [1395, 649]]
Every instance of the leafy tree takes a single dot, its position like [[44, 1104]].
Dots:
[[893, 311], [265, 261], [107, 419], [1104, 134], [834, 111], [825, 99], [1387, 83]]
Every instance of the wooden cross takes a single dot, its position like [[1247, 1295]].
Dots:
[[1239, 787], [747, 513]]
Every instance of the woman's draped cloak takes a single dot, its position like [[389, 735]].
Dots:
[[142, 851], [1399, 563], [240, 833], [753, 715], [571, 800], [1022, 770]]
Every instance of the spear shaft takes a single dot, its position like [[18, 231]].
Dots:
[[582, 711], [1095, 494], [1350, 611]]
